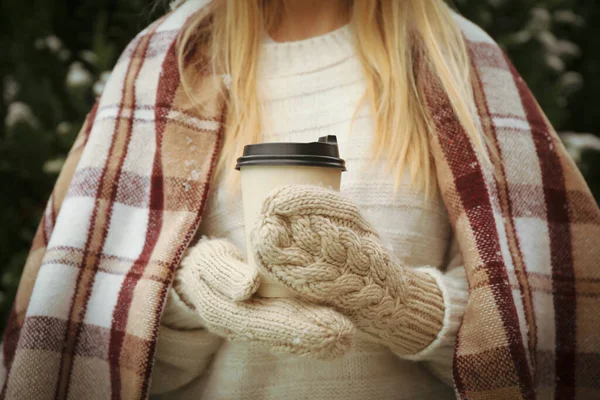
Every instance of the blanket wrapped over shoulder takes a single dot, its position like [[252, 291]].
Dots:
[[132, 192]]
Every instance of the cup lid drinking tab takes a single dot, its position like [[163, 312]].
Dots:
[[323, 153]]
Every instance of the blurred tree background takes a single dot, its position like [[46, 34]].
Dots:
[[56, 56]]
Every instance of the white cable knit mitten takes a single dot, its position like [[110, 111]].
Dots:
[[316, 242], [213, 289]]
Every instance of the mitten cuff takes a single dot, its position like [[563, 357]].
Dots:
[[455, 292], [423, 317]]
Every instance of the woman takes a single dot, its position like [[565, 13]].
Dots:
[[438, 131]]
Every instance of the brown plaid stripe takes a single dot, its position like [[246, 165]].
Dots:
[[509, 200], [560, 239], [456, 153]]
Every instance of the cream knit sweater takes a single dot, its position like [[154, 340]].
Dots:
[[312, 88]]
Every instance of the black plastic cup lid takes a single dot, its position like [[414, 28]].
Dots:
[[324, 153]]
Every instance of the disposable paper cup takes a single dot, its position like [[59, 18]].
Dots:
[[266, 166]]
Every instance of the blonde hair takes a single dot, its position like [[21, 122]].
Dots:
[[395, 40]]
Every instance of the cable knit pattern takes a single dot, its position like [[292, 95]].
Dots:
[[317, 243]]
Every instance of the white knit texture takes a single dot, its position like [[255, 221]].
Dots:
[[309, 89]]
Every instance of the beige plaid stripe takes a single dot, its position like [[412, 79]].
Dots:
[[119, 186], [504, 190]]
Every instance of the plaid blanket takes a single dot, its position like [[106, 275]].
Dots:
[[131, 195]]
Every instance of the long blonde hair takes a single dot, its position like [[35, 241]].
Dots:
[[395, 40]]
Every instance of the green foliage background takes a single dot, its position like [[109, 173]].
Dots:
[[55, 56]]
